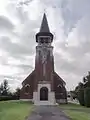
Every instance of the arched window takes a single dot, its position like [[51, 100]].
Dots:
[[59, 88], [27, 88], [59, 85], [59, 91]]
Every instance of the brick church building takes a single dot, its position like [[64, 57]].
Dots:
[[44, 86]]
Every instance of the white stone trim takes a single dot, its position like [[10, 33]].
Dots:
[[59, 85], [51, 96], [44, 37], [26, 100], [48, 86], [27, 85]]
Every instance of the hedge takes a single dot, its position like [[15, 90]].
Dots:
[[5, 98], [81, 97], [87, 96]]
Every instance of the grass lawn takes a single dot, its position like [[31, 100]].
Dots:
[[18, 110], [76, 112]]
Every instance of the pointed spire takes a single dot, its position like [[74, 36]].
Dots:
[[44, 25], [44, 30]]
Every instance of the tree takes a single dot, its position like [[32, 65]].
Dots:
[[4, 88], [86, 80], [83, 91], [1, 89], [87, 96], [80, 86], [79, 90], [17, 93]]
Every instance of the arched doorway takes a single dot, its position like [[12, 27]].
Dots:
[[44, 94]]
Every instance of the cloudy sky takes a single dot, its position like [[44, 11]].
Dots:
[[69, 21]]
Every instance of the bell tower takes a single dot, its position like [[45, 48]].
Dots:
[[44, 60], [44, 64]]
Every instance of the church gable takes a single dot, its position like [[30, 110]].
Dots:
[[57, 77], [29, 79], [28, 87], [59, 87]]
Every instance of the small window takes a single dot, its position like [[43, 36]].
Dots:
[[59, 85], [27, 88]]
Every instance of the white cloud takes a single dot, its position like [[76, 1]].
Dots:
[[68, 21]]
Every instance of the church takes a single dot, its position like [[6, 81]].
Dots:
[[44, 86]]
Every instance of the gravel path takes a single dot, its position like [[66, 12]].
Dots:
[[47, 113]]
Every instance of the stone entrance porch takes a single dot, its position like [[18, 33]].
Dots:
[[44, 95]]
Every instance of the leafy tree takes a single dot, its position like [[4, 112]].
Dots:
[[87, 96], [17, 93], [79, 90], [80, 86], [86, 80], [1, 89], [4, 88], [81, 96]]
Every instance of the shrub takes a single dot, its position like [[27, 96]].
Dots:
[[5, 98], [81, 96], [87, 97]]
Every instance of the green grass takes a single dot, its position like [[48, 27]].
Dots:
[[15, 110], [76, 112]]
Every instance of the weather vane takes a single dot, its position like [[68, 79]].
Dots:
[[45, 9]]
